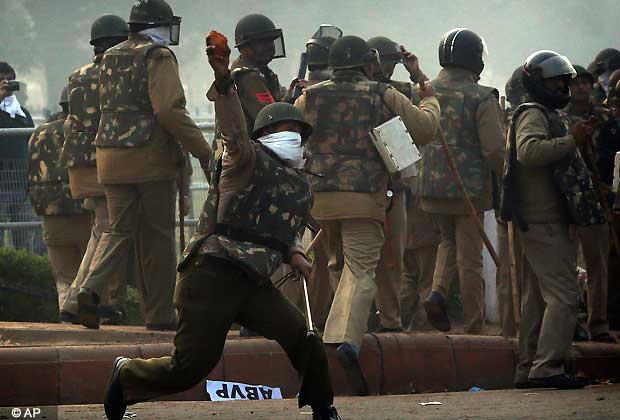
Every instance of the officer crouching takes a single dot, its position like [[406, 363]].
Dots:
[[256, 210]]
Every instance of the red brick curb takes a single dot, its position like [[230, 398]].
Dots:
[[393, 364]]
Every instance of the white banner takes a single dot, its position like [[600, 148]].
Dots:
[[231, 391]]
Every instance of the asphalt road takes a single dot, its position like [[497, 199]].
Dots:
[[600, 402]]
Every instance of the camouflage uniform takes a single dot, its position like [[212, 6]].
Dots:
[[594, 239], [255, 210], [65, 222], [79, 155], [142, 108], [351, 199], [472, 124], [554, 191]]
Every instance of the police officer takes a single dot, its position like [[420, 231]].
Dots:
[[472, 124], [516, 95], [351, 193], [79, 155], [259, 42], [595, 238], [554, 191], [257, 207], [66, 224], [317, 51], [143, 121], [319, 289]]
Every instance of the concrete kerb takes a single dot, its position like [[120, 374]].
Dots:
[[393, 364]]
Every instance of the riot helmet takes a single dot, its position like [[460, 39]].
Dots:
[[108, 26], [278, 112], [64, 96], [462, 48], [259, 33], [317, 47], [155, 13], [546, 64], [389, 55], [515, 91], [350, 52]]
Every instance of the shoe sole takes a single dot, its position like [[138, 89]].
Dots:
[[354, 374], [434, 315], [116, 370], [88, 314]]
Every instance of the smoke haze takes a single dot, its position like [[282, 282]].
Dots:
[[45, 40]]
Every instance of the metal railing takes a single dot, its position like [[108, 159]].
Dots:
[[23, 226]]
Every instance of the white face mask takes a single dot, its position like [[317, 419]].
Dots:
[[160, 34], [11, 106], [287, 145]]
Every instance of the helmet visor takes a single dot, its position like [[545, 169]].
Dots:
[[328, 31], [268, 45], [557, 66], [175, 30]]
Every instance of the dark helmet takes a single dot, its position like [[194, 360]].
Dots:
[[64, 96], [279, 112], [349, 52], [259, 27], [515, 91], [462, 48], [389, 51], [317, 47], [547, 64], [153, 13], [108, 26], [583, 72], [603, 60]]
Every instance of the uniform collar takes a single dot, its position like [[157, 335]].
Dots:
[[458, 74], [349, 75]]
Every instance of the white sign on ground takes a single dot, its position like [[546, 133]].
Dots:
[[231, 391]]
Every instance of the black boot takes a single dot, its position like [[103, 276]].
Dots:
[[561, 381], [436, 313], [113, 400], [347, 356], [88, 310]]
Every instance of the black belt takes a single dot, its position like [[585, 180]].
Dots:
[[248, 236]]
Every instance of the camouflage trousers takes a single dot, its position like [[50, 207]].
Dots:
[[549, 300], [389, 271], [66, 238], [116, 281], [210, 295], [354, 249]]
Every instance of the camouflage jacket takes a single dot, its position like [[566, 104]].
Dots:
[[570, 175], [459, 100], [83, 120], [260, 223], [256, 87], [127, 118], [48, 180], [343, 111], [408, 89]]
